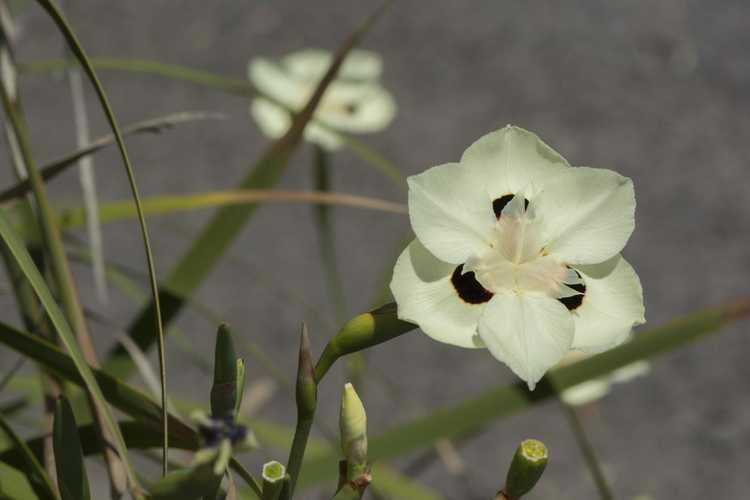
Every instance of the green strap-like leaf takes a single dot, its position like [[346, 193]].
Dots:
[[71, 472], [122, 396], [22, 257], [34, 471], [220, 83], [478, 411]]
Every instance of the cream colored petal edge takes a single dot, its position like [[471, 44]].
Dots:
[[421, 285], [529, 333], [511, 161], [588, 214], [271, 80], [450, 212], [586, 392], [273, 120], [611, 307], [312, 64]]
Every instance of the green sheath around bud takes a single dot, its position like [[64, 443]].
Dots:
[[224, 392], [361, 332], [527, 467], [274, 477], [353, 426]]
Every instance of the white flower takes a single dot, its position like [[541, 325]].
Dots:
[[518, 252], [597, 388], [354, 102]]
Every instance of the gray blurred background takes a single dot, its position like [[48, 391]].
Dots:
[[656, 89]]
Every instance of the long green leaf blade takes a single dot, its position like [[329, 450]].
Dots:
[[77, 50], [34, 471], [478, 411], [22, 257], [71, 472]]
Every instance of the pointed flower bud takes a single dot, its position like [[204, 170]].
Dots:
[[274, 477], [362, 331], [353, 426], [307, 387], [527, 467], [229, 373]]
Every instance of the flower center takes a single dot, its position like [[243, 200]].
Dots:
[[516, 261]]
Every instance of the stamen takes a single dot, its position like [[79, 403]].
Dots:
[[499, 203], [468, 288], [574, 301]]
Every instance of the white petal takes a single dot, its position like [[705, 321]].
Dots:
[[511, 160], [311, 64], [328, 139], [586, 392], [368, 108], [272, 119], [611, 307], [587, 213], [422, 288], [271, 80], [450, 212], [529, 333], [631, 372]]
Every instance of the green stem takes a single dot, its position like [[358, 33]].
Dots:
[[587, 450], [296, 454]]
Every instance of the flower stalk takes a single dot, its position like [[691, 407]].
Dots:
[[274, 479], [307, 402]]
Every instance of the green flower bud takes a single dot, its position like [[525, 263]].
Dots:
[[527, 467], [229, 374], [307, 388], [353, 426], [362, 331]]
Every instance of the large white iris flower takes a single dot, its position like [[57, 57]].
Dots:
[[354, 102], [519, 252]]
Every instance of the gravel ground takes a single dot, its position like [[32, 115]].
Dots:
[[656, 89]]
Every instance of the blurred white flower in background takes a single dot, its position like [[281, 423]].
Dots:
[[355, 102], [590, 391], [519, 252]]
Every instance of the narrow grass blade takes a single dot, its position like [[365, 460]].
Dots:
[[152, 126], [220, 232], [478, 411], [143, 66], [71, 472], [34, 471], [164, 205], [67, 337], [80, 55]]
